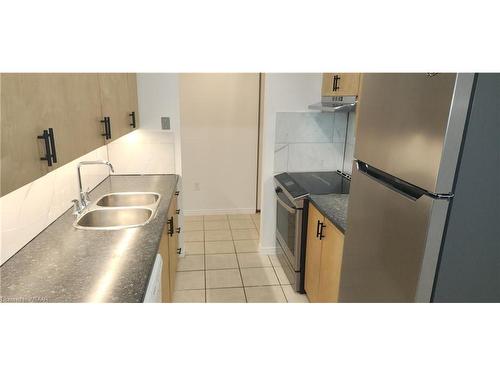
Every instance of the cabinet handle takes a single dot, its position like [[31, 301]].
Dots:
[[179, 250], [171, 226], [52, 145], [177, 192], [177, 212], [317, 229], [178, 230], [132, 115], [336, 79], [107, 128], [321, 236], [48, 156]]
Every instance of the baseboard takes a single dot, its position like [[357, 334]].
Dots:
[[233, 211], [267, 250]]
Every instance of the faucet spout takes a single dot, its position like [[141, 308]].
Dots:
[[84, 198]]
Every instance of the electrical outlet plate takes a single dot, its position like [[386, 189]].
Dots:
[[165, 123]]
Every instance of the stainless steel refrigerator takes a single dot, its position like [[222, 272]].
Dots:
[[409, 137]]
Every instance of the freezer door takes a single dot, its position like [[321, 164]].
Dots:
[[385, 241], [401, 124]]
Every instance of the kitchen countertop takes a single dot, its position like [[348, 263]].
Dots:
[[334, 207], [64, 264]]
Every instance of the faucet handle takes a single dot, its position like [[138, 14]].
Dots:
[[77, 207], [84, 198]]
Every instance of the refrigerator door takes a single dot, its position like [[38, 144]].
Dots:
[[386, 234], [402, 122]]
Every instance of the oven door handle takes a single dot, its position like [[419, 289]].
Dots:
[[287, 207]]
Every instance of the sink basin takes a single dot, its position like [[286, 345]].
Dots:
[[115, 218], [128, 199]]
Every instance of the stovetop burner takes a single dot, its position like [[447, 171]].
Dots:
[[302, 183]]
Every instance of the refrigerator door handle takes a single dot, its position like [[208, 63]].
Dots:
[[445, 196], [402, 187]]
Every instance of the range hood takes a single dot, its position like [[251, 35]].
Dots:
[[335, 104]]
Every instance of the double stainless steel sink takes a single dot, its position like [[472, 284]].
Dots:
[[119, 211]]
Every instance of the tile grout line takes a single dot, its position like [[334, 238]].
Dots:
[[279, 281], [223, 269], [204, 260], [239, 269], [281, 285]]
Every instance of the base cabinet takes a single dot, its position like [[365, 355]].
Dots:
[[165, 271], [323, 258], [168, 251], [173, 242]]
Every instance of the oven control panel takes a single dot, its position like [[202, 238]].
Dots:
[[287, 182]]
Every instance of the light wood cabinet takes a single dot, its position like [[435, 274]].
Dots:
[[165, 272], [68, 103], [72, 104], [21, 122], [133, 99], [168, 251], [340, 84], [324, 249], [313, 254], [173, 242], [116, 102]]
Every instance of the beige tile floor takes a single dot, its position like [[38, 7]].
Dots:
[[222, 263]]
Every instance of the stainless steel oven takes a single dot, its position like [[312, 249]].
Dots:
[[289, 228], [292, 192]]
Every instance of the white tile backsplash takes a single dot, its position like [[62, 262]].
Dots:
[[280, 157], [349, 157], [309, 141], [27, 211], [304, 157], [310, 127], [350, 142], [144, 152]]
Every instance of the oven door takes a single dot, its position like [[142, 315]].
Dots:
[[288, 229]]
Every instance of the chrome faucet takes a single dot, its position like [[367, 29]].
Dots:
[[80, 205]]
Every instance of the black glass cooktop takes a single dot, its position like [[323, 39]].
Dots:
[[302, 183]]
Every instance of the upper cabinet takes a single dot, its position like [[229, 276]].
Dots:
[[48, 120], [118, 101], [340, 84], [133, 101]]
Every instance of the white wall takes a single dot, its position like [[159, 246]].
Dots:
[[284, 92], [149, 149], [158, 96], [219, 115]]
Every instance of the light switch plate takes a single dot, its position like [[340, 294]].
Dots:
[[165, 123]]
